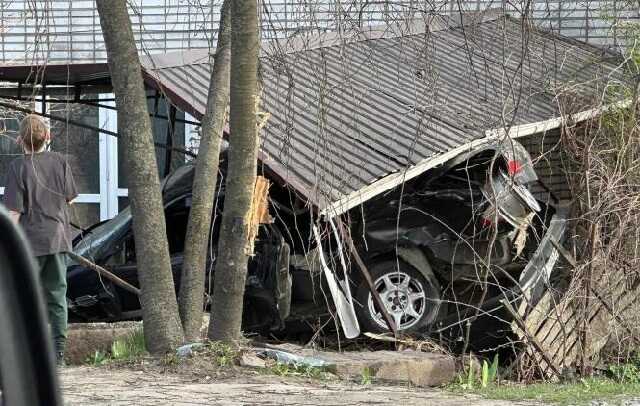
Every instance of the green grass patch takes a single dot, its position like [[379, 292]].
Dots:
[[581, 392], [130, 347], [98, 358], [125, 349], [367, 376], [223, 354], [306, 371]]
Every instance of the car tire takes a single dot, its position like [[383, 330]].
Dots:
[[411, 298]]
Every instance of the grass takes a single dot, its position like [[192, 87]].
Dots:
[[578, 393], [223, 354], [283, 369], [98, 358], [128, 348], [619, 383], [367, 376]]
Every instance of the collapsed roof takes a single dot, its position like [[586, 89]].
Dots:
[[354, 115]]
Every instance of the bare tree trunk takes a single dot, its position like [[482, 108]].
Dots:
[[204, 184], [162, 329], [231, 268]]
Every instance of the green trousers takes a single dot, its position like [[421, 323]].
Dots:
[[53, 276]]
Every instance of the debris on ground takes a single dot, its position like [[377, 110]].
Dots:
[[251, 360], [285, 357], [187, 349]]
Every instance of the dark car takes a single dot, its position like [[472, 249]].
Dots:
[[111, 245], [455, 243], [431, 247]]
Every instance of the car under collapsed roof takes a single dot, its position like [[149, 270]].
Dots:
[[424, 248]]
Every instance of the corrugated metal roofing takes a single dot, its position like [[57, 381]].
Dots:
[[346, 112]]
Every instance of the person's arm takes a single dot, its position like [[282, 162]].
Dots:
[[71, 191], [14, 216], [14, 194]]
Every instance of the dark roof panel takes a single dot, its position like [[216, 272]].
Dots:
[[347, 112]]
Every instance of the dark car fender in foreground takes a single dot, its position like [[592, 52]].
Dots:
[[27, 364]]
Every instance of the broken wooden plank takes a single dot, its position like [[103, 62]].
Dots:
[[531, 338], [259, 213], [103, 272]]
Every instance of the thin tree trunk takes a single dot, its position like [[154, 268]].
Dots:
[[162, 329], [204, 184], [231, 267]]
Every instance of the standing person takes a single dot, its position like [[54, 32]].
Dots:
[[39, 189]]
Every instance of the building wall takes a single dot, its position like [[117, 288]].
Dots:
[[70, 30], [64, 30]]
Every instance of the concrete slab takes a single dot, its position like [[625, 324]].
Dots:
[[400, 367]]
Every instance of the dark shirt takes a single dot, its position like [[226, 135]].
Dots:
[[39, 186]]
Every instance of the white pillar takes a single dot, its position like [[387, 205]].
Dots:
[[191, 136], [108, 161]]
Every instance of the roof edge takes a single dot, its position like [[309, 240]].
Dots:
[[395, 179], [176, 58], [431, 23]]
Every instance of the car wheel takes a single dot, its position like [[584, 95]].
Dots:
[[411, 299]]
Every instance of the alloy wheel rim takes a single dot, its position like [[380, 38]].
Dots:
[[404, 298]]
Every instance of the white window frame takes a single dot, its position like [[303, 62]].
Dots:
[[107, 199], [108, 160]]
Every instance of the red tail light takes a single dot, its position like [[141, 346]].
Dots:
[[513, 167]]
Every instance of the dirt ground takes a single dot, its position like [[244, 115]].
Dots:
[[107, 386]]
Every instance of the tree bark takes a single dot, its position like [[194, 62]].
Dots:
[[204, 185], [233, 255], [162, 329]]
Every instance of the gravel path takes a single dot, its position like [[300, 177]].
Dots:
[[103, 386]]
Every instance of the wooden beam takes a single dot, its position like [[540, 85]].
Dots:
[[103, 272]]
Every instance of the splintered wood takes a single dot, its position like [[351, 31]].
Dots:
[[565, 332], [259, 210]]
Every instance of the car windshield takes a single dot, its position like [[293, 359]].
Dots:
[[97, 240]]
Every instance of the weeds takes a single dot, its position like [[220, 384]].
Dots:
[[621, 380], [297, 370], [170, 359], [98, 358], [625, 373], [130, 347], [488, 374], [367, 376], [582, 392], [306, 371], [125, 349], [223, 354]]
